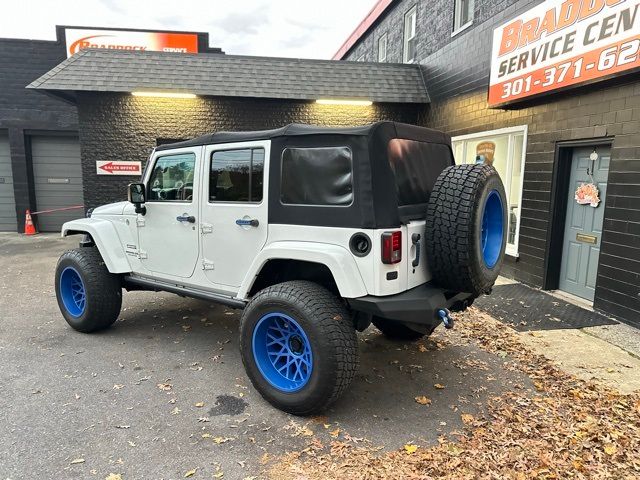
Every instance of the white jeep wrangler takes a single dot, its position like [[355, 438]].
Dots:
[[314, 232]]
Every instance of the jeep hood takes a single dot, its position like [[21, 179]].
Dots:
[[110, 209]]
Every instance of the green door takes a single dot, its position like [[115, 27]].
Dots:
[[583, 224]]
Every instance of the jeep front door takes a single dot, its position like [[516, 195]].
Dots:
[[234, 210], [169, 231]]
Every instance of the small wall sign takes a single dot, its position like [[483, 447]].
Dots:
[[118, 168], [588, 194]]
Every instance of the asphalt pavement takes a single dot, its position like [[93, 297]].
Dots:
[[163, 392]]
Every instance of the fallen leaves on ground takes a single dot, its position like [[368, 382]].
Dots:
[[113, 476], [190, 473], [564, 428], [422, 400]]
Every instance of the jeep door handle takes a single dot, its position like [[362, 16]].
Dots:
[[186, 218], [415, 239], [251, 222]]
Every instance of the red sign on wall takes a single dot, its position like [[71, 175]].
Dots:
[[561, 43], [80, 38]]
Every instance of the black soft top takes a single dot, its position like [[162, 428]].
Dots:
[[389, 129], [394, 169]]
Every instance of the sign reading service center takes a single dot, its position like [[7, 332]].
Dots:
[[80, 38], [561, 43]]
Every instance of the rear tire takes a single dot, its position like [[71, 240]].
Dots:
[[398, 331], [88, 295], [467, 228], [298, 346]]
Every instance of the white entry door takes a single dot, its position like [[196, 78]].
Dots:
[[234, 210], [169, 231]]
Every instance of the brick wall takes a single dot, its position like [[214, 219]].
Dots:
[[23, 111], [123, 127]]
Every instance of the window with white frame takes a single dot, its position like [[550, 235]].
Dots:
[[504, 149], [462, 14], [382, 48], [409, 43]]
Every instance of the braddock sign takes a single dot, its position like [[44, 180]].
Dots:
[[80, 38], [562, 43]]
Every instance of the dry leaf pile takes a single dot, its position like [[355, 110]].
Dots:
[[566, 429]]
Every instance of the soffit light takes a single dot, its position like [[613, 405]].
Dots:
[[331, 101], [163, 94]]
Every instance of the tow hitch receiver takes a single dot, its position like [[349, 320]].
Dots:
[[445, 316]]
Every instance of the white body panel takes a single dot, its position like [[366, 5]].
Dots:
[[217, 255]]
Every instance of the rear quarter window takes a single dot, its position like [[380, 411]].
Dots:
[[416, 166], [317, 176]]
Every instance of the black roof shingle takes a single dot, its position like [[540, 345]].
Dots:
[[234, 76]]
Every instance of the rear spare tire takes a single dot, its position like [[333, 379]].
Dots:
[[467, 228]]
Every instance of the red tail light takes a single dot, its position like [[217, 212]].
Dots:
[[391, 247]]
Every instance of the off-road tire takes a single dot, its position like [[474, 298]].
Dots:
[[398, 331], [454, 227], [331, 336], [103, 290]]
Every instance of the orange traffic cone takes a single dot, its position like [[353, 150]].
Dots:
[[29, 227]]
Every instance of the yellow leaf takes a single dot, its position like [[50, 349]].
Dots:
[[190, 473], [220, 440], [439, 386], [422, 400], [467, 418], [335, 433], [77, 460], [200, 404], [410, 448], [422, 348], [610, 449], [175, 411], [113, 476], [218, 475], [165, 387], [206, 435]]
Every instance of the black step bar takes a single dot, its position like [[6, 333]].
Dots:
[[139, 283]]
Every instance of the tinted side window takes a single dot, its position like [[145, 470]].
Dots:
[[317, 176], [236, 175], [172, 178], [416, 166]]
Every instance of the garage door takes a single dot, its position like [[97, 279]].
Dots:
[[7, 203], [58, 179]]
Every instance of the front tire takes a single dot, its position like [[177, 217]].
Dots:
[[88, 295], [298, 346]]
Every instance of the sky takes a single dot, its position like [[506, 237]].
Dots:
[[284, 28]]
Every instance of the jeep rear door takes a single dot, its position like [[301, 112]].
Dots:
[[233, 209]]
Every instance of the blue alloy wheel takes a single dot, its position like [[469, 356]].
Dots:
[[282, 352], [72, 292], [492, 229]]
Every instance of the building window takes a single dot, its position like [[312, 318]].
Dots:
[[382, 48], [505, 150], [409, 44], [236, 175], [317, 176], [172, 178], [462, 15]]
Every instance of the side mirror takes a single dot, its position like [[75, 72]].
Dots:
[[136, 195]]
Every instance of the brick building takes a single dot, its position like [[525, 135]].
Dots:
[[541, 144]]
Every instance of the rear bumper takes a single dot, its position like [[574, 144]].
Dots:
[[419, 305]]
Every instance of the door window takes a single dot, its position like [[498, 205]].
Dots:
[[237, 175], [172, 178]]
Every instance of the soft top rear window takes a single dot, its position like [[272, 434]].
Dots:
[[416, 166], [317, 176]]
